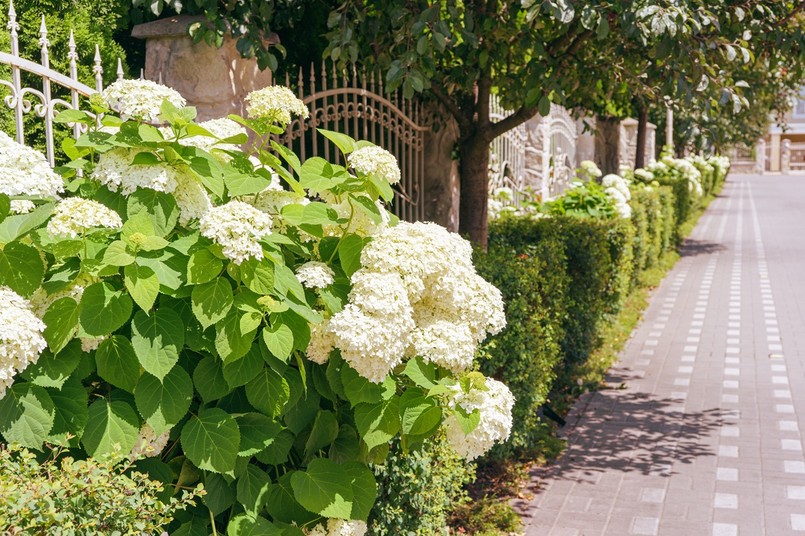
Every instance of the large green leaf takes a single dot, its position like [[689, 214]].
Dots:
[[70, 403], [61, 320], [117, 362], [53, 370], [258, 275], [360, 390], [324, 432], [211, 440], [27, 414], [161, 207], [211, 301], [330, 489], [21, 268], [378, 423], [253, 488], [203, 267], [164, 403], [283, 506], [111, 427], [349, 251], [209, 380], [419, 415], [278, 450], [157, 340], [279, 340], [220, 493], [256, 432], [143, 285], [169, 265], [346, 447], [104, 309], [268, 392], [251, 525], [231, 341], [242, 371], [118, 254], [14, 227]]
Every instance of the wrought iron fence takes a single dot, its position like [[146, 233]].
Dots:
[[507, 168], [357, 104], [57, 90]]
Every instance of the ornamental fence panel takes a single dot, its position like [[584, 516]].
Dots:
[[356, 103], [507, 158], [36, 90]]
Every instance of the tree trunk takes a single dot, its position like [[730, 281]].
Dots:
[[607, 144], [474, 171], [642, 124]]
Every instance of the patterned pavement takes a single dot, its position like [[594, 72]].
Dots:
[[699, 432]]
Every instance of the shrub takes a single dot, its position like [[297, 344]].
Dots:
[[418, 490], [62, 495]]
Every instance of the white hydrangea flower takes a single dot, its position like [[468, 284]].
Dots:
[[372, 344], [275, 103], [448, 344], [237, 227], [21, 206], [140, 99], [25, 171], [148, 443], [315, 274], [379, 293], [359, 221], [273, 199], [644, 174], [338, 527], [618, 183], [495, 406], [21, 339], [90, 344], [115, 170], [322, 342], [75, 215], [221, 128], [375, 161], [40, 300], [589, 170], [191, 198]]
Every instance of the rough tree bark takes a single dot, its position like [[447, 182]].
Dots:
[[607, 144], [474, 171]]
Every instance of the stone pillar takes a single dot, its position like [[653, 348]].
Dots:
[[214, 80], [774, 165], [669, 127], [442, 181], [760, 157], [785, 157], [545, 192]]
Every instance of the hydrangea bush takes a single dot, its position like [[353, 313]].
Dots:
[[239, 319]]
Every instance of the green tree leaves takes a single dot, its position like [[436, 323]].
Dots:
[[211, 440]]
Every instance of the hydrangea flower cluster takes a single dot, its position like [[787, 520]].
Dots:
[[338, 527], [588, 170], [149, 443], [221, 128], [25, 171], [275, 103], [21, 206], [417, 295], [21, 339], [494, 402], [140, 99], [617, 189], [237, 227], [682, 168], [375, 161], [75, 216], [315, 274]]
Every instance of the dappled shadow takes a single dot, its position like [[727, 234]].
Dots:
[[692, 247], [627, 431]]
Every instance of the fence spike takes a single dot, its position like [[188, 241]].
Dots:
[[72, 55], [12, 25], [119, 69], [44, 43], [324, 76], [312, 79], [300, 84], [98, 69]]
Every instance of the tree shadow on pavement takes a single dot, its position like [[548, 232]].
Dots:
[[693, 248], [622, 430]]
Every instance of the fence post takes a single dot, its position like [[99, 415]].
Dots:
[[760, 157], [785, 157]]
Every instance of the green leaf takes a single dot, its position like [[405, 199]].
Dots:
[[421, 373], [251, 525], [53, 370], [383, 187], [230, 340], [164, 403], [368, 207], [118, 254], [27, 414], [73, 116], [143, 285], [21, 268], [253, 488], [258, 276], [279, 340], [285, 282], [346, 447], [211, 440], [277, 451], [61, 320], [257, 432], [467, 421], [342, 491], [209, 380], [378, 423], [221, 494], [345, 143], [14, 227], [283, 506], [324, 432], [241, 184], [360, 390], [70, 403], [104, 309], [157, 340], [242, 371], [419, 415], [203, 267], [141, 223], [170, 267], [117, 362], [349, 251], [268, 392], [211, 301], [5, 206], [110, 425]]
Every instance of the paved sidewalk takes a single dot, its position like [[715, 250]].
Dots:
[[699, 433]]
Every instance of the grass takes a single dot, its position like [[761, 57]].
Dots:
[[489, 512]]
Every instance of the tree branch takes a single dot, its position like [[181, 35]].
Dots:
[[514, 120], [451, 106]]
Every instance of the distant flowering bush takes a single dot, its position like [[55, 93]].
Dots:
[[588, 171], [240, 319], [617, 188], [139, 99]]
